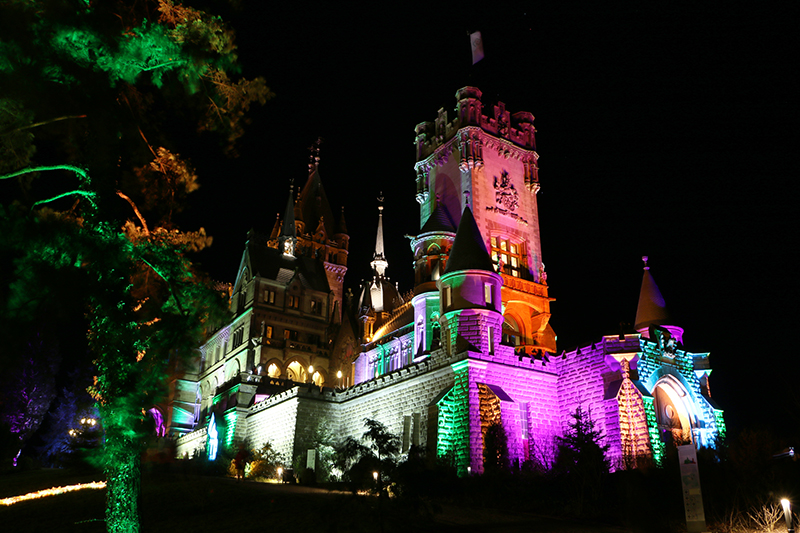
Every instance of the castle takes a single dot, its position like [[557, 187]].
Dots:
[[470, 347]]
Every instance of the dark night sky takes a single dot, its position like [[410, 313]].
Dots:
[[663, 130]]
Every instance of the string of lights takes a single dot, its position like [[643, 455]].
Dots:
[[52, 492]]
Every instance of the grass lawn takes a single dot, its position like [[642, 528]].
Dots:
[[196, 504]]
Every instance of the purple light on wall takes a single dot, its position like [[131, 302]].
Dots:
[[161, 429]]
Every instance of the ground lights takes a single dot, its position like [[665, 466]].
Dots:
[[52, 492]]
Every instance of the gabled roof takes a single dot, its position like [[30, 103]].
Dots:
[[271, 264], [469, 250]]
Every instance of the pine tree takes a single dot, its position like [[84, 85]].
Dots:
[[581, 456]]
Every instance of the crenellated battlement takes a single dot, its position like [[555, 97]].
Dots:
[[517, 127]]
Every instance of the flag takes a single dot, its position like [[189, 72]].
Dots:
[[477, 46]]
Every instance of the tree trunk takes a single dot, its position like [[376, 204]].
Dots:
[[123, 475]]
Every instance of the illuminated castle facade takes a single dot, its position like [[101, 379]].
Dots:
[[470, 347]]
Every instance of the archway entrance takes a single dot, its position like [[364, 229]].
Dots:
[[512, 333], [296, 372], [673, 413]]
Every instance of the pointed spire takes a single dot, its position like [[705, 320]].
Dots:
[[288, 236], [342, 227], [276, 228], [651, 310], [379, 263], [469, 250]]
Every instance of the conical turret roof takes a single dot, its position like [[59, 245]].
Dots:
[[439, 221], [469, 250], [651, 310]]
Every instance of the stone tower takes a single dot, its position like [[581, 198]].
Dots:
[[489, 163]]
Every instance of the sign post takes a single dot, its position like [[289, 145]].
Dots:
[[692, 496]]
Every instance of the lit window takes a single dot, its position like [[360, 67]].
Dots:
[[448, 296], [511, 255], [269, 332], [487, 293]]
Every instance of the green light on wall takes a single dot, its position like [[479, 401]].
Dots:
[[230, 427], [453, 420], [720, 423], [656, 445]]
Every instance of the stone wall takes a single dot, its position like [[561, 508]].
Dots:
[[530, 385], [289, 420], [191, 444], [584, 379], [274, 420]]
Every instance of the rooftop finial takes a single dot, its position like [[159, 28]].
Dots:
[[380, 201], [466, 198], [645, 258], [313, 158]]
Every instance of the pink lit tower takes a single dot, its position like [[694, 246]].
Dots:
[[490, 164], [480, 292]]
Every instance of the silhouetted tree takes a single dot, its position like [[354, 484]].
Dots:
[[581, 456], [29, 390], [495, 449]]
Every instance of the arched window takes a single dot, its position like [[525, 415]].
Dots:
[[274, 371], [512, 335]]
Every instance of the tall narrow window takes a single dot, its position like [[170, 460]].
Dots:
[[487, 293], [448, 296], [490, 334]]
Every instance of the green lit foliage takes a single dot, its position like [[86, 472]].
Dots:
[[113, 88], [16, 140], [146, 308], [167, 51]]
